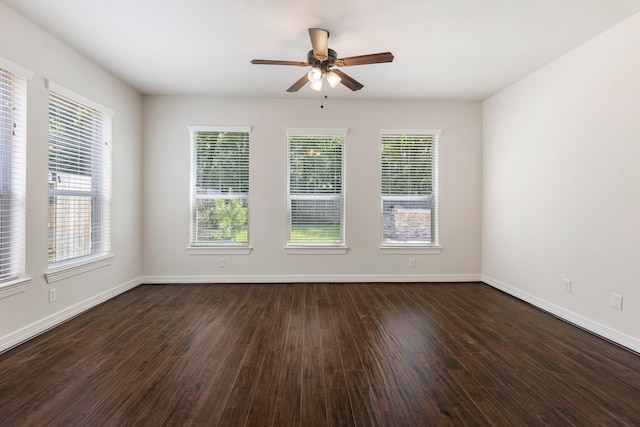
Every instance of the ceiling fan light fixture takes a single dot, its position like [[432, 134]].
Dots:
[[333, 78], [315, 75], [316, 85]]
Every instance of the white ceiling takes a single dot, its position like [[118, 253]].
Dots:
[[444, 49]]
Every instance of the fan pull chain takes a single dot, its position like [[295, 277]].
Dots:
[[323, 94]]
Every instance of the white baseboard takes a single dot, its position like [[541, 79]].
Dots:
[[30, 331], [571, 317], [321, 278]]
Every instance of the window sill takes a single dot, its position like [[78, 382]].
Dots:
[[410, 250], [69, 270], [219, 250], [316, 250], [13, 287]]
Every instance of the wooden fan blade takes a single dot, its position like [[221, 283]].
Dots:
[[375, 58], [270, 62], [320, 43], [348, 81], [297, 85]]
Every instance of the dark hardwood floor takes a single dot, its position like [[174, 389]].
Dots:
[[315, 355]]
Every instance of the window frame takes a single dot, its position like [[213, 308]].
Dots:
[[215, 247], [99, 254], [13, 141], [413, 246], [310, 247]]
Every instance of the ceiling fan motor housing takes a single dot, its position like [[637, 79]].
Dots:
[[324, 65]]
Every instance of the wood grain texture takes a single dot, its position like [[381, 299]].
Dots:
[[318, 354]]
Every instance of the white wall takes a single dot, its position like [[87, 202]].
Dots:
[[561, 196], [28, 313], [166, 195]]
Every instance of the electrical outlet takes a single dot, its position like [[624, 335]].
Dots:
[[412, 262], [566, 286], [221, 263], [52, 295], [616, 301]]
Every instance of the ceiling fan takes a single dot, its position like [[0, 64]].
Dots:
[[322, 59]]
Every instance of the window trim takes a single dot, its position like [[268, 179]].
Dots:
[[415, 248], [75, 266], [212, 248], [219, 250], [14, 68], [13, 287], [311, 248], [409, 250], [79, 266], [74, 96], [316, 250]]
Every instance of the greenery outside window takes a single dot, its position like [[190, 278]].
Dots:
[[409, 187], [315, 214], [219, 185]]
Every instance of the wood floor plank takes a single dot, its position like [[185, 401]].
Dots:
[[241, 333], [530, 353], [313, 404], [418, 388], [262, 410], [477, 352], [318, 354], [287, 409], [339, 410], [244, 389]]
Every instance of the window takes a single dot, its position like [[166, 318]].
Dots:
[[316, 187], [13, 88], [219, 185], [79, 178], [409, 188]]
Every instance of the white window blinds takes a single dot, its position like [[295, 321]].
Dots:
[[409, 187], [79, 179], [13, 109], [316, 189], [219, 185]]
